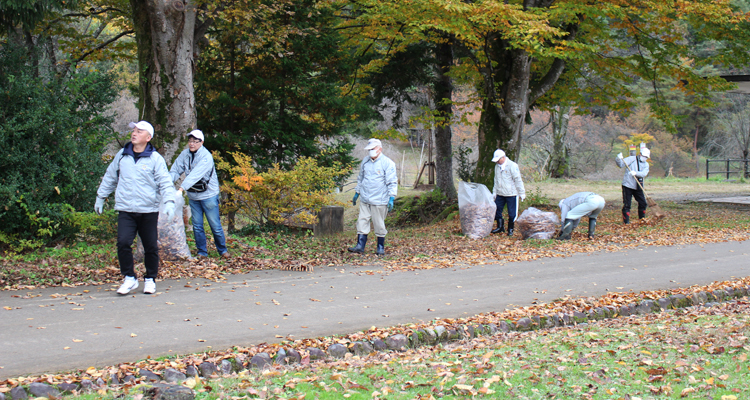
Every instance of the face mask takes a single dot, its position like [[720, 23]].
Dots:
[[374, 153]]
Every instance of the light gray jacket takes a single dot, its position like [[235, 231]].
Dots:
[[141, 183], [377, 180], [571, 202], [508, 181], [635, 163], [195, 169]]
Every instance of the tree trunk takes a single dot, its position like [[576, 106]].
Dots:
[[558, 165], [164, 33], [443, 134]]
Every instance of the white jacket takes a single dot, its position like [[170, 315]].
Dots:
[[635, 163], [508, 180], [377, 180]]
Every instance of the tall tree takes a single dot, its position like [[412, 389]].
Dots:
[[165, 33]]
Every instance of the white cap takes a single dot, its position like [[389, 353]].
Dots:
[[196, 134], [645, 152], [143, 125], [373, 143], [498, 155]]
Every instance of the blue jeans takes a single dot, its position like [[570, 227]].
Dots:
[[209, 208]]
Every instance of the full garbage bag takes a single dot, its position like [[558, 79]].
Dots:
[[172, 238], [476, 209], [537, 224]]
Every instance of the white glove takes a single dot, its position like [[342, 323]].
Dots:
[[169, 211], [633, 173], [619, 155], [523, 197], [99, 205]]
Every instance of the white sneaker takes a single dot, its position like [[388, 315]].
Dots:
[[149, 286], [129, 284]]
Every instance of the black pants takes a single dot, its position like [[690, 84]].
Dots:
[[145, 225], [627, 195]]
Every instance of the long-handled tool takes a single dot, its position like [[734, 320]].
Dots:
[[655, 209]]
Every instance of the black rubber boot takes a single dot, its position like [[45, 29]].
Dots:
[[626, 217], [641, 214], [360, 247], [592, 227], [381, 247], [511, 225], [567, 229], [500, 226]]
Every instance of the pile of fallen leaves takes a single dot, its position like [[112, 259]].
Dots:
[[440, 245]]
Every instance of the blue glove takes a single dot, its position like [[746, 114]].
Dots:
[[99, 205], [354, 200], [169, 211], [390, 203]]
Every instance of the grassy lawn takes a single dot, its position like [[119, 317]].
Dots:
[[692, 353]]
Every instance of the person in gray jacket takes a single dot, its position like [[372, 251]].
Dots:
[[202, 187], [377, 184], [577, 206], [141, 179], [637, 168], [507, 189]]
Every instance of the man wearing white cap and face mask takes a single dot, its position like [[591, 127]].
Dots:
[[508, 188], [202, 187], [377, 186], [637, 169], [141, 179]]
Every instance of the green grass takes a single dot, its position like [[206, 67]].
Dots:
[[671, 355]]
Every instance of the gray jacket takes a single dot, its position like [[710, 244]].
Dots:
[[508, 181], [635, 163], [571, 202], [141, 183], [377, 180], [195, 169]]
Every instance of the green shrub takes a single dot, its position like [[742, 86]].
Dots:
[[53, 132], [424, 209]]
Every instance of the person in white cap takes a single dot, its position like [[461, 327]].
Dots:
[[202, 187], [577, 206], [377, 185], [637, 168], [508, 188], [141, 179]]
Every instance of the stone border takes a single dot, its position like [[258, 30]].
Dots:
[[153, 385]]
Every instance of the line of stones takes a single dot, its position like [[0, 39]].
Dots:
[[398, 342]]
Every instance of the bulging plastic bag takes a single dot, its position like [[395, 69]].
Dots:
[[172, 239], [537, 224], [476, 209]]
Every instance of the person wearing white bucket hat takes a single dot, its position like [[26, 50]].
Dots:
[[139, 177], [636, 168], [377, 185], [508, 188]]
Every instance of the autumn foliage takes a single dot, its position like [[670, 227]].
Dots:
[[280, 197]]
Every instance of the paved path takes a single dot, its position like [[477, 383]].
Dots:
[[61, 329]]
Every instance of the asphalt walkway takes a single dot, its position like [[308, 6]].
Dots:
[[62, 329]]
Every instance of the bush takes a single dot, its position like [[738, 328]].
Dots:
[[279, 197], [423, 209], [52, 132]]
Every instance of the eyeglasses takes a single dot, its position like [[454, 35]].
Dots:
[[194, 141]]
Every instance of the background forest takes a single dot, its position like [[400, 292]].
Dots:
[[562, 86]]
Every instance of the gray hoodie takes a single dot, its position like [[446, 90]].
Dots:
[[141, 183]]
